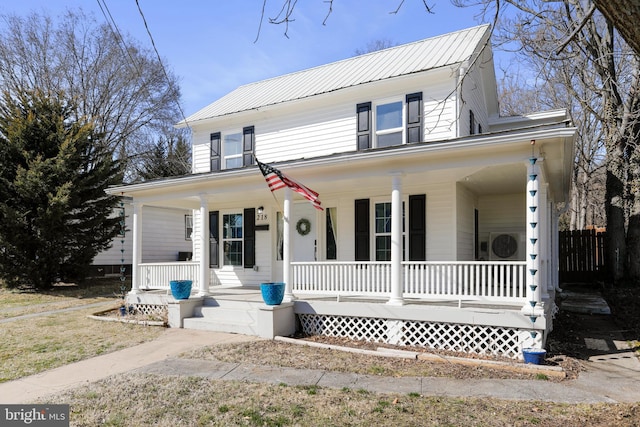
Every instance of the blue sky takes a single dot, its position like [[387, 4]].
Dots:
[[210, 44]]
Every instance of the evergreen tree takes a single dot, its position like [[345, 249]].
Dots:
[[54, 213]]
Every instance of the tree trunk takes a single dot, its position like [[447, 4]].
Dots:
[[614, 206], [625, 15]]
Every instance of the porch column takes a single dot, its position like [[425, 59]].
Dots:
[[535, 212], [136, 256], [287, 246], [204, 247], [396, 241]]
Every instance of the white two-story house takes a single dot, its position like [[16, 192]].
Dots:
[[439, 221]]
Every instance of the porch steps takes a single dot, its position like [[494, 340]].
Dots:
[[222, 315]]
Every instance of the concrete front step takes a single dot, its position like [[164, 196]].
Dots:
[[206, 324], [221, 315]]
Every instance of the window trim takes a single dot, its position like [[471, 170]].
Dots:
[[375, 234], [239, 155], [374, 121]]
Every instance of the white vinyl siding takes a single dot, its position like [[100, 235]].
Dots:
[[156, 246], [499, 214], [465, 204], [473, 99], [327, 124], [324, 132]]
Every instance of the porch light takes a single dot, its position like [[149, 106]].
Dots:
[[260, 209]]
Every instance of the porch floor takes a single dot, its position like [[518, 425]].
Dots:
[[252, 294]]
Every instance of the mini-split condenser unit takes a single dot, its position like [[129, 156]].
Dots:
[[507, 246]]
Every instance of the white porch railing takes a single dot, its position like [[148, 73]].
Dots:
[[157, 275], [455, 280]]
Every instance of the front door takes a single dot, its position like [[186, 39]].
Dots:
[[304, 232]]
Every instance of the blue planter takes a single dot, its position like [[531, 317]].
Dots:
[[272, 292], [181, 289], [534, 355]]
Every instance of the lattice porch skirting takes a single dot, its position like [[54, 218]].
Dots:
[[150, 309], [474, 339]]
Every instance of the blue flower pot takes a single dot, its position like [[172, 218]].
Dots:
[[272, 292], [534, 355], [181, 289]]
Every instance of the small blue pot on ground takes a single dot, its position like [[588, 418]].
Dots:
[[272, 292], [181, 289], [534, 355]]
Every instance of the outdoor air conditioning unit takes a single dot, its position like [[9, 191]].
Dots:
[[507, 246]]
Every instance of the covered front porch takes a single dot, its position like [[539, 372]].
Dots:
[[465, 293], [471, 307]]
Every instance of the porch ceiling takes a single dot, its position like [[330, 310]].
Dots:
[[505, 179]]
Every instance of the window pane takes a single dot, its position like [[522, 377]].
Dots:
[[383, 217], [390, 139], [234, 162], [233, 253], [232, 226], [232, 144], [383, 248], [389, 116]]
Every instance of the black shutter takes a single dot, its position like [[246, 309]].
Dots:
[[363, 112], [362, 230], [414, 117], [214, 243], [249, 233], [248, 139], [472, 123], [417, 228], [215, 151]]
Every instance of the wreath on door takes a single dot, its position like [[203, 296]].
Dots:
[[303, 226]]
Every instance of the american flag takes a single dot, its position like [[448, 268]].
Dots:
[[277, 180]]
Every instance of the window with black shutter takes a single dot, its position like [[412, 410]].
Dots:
[[362, 230], [472, 123], [414, 117], [417, 227], [215, 151], [248, 139], [363, 112], [249, 238], [214, 245]]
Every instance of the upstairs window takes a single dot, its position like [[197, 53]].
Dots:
[[230, 150], [389, 122]]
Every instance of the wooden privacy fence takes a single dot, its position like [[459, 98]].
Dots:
[[582, 256]]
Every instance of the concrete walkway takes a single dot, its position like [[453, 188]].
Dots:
[[613, 379], [168, 345]]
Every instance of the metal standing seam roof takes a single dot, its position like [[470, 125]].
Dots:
[[423, 55]]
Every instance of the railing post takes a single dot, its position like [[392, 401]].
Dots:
[[136, 256], [396, 241]]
